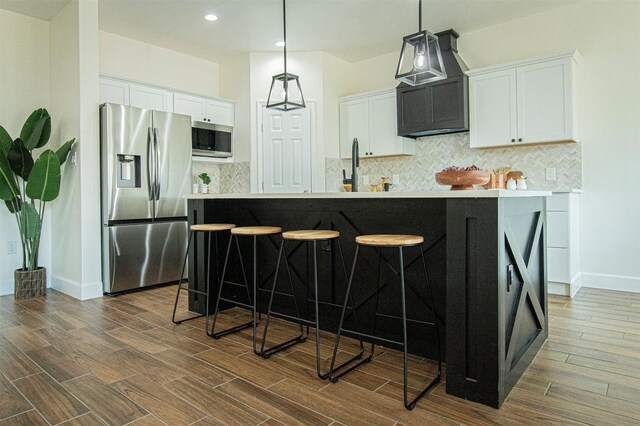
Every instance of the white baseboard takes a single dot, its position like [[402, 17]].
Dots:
[[565, 289], [611, 282], [6, 287], [76, 289]]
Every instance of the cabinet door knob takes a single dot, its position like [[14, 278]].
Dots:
[[513, 140], [520, 140]]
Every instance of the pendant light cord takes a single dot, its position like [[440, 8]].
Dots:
[[284, 24], [419, 15]]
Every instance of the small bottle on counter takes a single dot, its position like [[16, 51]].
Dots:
[[522, 183]]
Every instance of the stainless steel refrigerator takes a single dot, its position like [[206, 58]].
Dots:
[[146, 176]]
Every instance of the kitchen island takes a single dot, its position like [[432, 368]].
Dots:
[[485, 251]]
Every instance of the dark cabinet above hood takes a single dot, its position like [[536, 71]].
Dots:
[[439, 107]]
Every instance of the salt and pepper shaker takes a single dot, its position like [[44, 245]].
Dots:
[[511, 184], [521, 183]]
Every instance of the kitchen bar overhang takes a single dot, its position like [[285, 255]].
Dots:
[[486, 256]]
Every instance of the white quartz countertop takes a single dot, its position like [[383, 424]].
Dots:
[[488, 193]]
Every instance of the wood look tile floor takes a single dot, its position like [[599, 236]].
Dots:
[[121, 361]]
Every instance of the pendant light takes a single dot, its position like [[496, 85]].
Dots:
[[285, 93], [420, 58]]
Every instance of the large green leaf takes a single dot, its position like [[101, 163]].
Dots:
[[5, 141], [30, 221], [8, 186], [20, 159], [37, 129], [44, 181], [14, 205], [63, 151]]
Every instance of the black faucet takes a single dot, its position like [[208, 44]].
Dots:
[[355, 163]]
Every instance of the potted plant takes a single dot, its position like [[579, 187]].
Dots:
[[26, 186], [206, 180]]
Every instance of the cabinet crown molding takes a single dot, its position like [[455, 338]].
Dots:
[[574, 54]]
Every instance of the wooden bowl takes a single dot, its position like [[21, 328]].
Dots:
[[463, 180]]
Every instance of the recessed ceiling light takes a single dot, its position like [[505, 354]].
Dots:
[[280, 43], [211, 17]]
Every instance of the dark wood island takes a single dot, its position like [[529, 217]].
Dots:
[[485, 251]]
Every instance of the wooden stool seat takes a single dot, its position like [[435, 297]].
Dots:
[[212, 227], [389, 240], [256, 230], [311, 235]]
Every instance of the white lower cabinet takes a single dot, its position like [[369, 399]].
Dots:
[[563, 256], [372, 119]]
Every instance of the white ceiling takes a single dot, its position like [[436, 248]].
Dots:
[[349, 29]]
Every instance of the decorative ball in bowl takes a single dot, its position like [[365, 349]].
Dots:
[[463, 178]]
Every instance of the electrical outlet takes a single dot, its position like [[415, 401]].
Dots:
[[12, 247], [550, 173], [395, 179], [365, 180]]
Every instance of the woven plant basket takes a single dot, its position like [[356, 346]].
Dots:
[[30, 284]]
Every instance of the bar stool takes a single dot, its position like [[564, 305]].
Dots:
[[397, 242], [308, 236], [208, 229], [255, 232]]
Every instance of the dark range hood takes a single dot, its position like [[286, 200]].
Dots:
[[440, 107]]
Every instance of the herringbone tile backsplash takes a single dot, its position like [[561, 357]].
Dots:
[[434, 153], [225, 177]]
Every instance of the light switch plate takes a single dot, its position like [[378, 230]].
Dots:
[[12, 247], [550, 173], [395, 179], [365, 180]]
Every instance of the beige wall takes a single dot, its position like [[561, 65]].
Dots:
[[135, 60], [24, 87], [607, 112]]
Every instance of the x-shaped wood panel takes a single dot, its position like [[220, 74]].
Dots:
[[527, 291]]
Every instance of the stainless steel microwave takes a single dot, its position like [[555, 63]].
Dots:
[[211, 140]]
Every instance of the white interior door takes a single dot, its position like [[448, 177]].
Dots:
[[286, 144]]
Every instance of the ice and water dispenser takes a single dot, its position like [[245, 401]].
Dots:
[[128, 171]]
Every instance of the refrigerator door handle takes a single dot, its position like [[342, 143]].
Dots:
[[150, 164], [157, 155]]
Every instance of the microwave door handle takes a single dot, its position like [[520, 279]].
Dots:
[[150, 185], [157, 155]]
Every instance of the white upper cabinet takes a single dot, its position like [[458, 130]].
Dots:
[[193, 106], [202, 109], [114, 91], [354, 123], [220, 112], [148, 97], [127, 93], [525, 103], [492, 102], [372, 119]]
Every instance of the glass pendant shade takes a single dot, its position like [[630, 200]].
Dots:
[[420, 59], [285, 93]]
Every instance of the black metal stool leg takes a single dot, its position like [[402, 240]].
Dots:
[[298, 339], [411, 405], [180, 282], [332, 369], [230, 330]]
